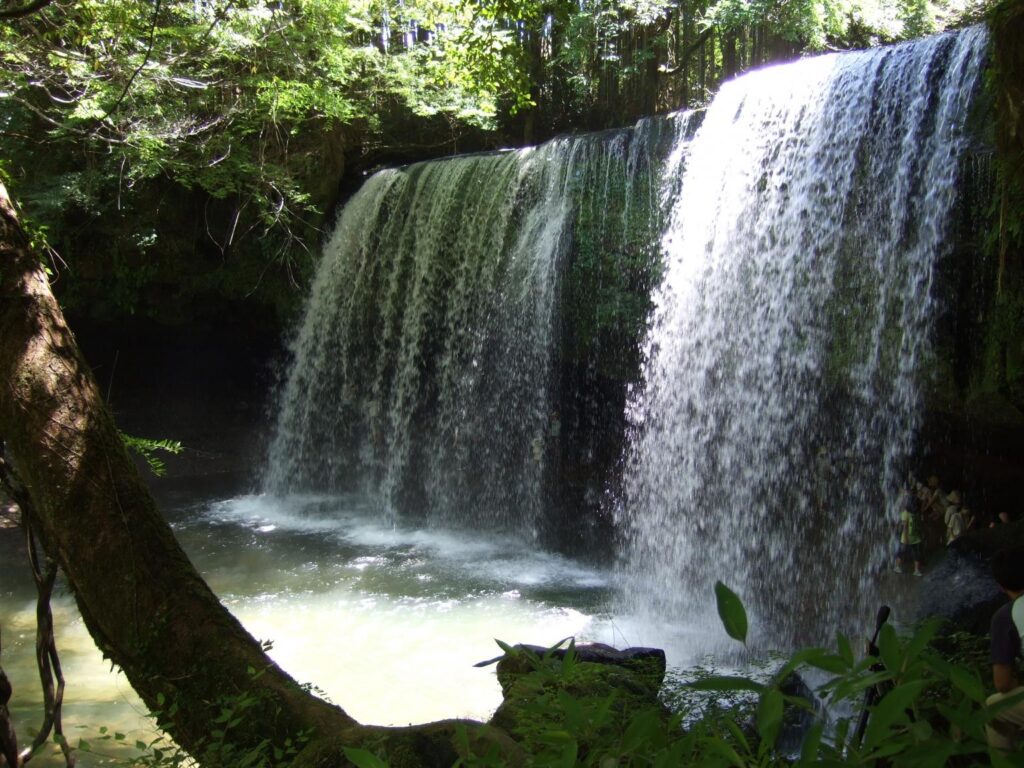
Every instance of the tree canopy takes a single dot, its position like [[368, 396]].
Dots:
[[127, 123]]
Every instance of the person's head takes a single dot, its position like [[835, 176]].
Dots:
[[1004, 516], [933, 482], [911, 503], [1008, 568]]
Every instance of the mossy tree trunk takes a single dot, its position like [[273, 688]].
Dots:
[[143, 602]]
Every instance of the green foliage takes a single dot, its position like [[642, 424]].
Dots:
[[731, 612], [241, 111], [813, 23], [230, 741], [147, 449], [363, 759], [930, 710], [141, 135], [157, 752]]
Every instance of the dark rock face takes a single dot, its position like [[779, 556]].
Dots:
[[960, 588], [796, 720]]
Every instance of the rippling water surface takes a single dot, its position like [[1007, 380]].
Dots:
[[386, 621]]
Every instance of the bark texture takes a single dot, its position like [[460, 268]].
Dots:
[[143, 602]]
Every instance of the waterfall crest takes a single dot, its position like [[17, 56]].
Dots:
[[783, 376]]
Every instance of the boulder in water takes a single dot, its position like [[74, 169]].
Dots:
[[533, 680]]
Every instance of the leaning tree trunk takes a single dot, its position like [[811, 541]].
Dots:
[[143, 602]]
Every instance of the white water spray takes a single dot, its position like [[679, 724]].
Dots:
[[782, 396]]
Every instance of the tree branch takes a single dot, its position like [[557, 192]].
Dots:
[[145, 61], [25, 10]]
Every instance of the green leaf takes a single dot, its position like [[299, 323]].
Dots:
[[724, 750], [505, 647], [819, 658], [922, 730], [921, 639], [967, 680], [363, 759], [845, 649], [769, 716], [569, 755], [731, 612], [642, 729], [891, 708], [889, 649], [557, 737], [737, 734], [812, 743]]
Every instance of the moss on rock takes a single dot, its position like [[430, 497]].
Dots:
[[551, 698]]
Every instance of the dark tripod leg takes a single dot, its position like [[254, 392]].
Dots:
[[871, 695]]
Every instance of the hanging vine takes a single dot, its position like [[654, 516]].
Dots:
[[44, 573]]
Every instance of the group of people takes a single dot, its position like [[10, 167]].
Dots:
[[930, 517], [1005, 731]]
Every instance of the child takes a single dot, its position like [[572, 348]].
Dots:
[[910, 536]]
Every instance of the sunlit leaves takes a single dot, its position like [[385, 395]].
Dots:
[[233, 98]]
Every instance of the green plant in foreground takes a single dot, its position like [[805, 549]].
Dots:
[[147, 448], [930, 711], [229, 742]]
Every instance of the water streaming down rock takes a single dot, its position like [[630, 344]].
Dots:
[[426, 364], [782, 387]]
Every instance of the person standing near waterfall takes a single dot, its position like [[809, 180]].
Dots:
[[1005, 731], [910, 535]]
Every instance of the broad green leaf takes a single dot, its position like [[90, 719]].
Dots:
[[644, 728], [569, 755], [889, 649], [812, 743], [892, 707], [922, 730], [921, 639], [363, 759], [769, 716], [725, 750], [737, 734], [845, 649], [557, 737], [967, 680], [731, 612], [829, 662]]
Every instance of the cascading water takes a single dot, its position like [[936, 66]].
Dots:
[[783, 374], [425, 364]]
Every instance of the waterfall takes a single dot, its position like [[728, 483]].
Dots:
[[783, 374], [425, 366]]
